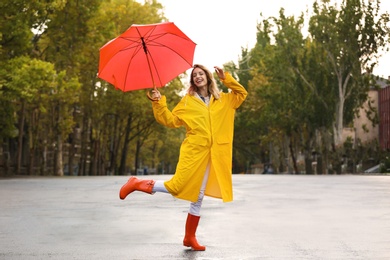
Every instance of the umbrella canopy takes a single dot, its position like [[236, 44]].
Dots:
[[146, 56]]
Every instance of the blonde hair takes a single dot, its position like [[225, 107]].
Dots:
[[211, 84]]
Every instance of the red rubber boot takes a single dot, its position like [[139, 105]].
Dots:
[[190, 238], [134, 184]]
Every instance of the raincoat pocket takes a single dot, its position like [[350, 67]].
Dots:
[[198, 140]]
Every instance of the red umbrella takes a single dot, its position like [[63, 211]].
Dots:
[[146, 56]]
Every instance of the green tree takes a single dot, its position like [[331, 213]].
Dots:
[[37, 87], [77, 112], [19, 23], [306, 88], [280, 96], [101, 102], [62, 43], [246, 148], [352, 38]]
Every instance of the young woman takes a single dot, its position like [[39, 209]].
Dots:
[[205, 161]]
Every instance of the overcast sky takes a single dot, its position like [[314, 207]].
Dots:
[[221, 27]]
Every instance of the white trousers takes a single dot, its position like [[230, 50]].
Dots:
[[194, 206]]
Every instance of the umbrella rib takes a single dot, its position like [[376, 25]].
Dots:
[[165, 46], [137, 49], [155, 68], [149, 38], [173, 50]]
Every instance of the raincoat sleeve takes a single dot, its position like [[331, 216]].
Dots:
[[164, 116], [238, 93]]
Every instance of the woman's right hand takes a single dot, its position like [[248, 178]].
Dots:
[[156, 95]]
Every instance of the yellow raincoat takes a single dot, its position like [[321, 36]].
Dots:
[[209, 139]]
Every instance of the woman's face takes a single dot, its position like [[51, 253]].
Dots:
[[199, 77]]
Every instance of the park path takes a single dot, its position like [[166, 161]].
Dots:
[[271, 217]]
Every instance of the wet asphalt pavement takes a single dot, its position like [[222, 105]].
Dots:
[[271, 217]]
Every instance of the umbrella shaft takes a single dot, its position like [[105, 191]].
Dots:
[[147, 58], [144, 45]]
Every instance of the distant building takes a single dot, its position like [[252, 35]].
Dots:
[[384, 116], [363, 129]]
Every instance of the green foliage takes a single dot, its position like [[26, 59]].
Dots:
[[303, 88], [49, 92], [351, 36], [25, 80], [30, 77], [18, 22]]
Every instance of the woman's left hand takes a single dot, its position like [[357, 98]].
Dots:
[[219, 72]]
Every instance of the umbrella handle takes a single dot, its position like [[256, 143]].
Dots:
[[150, 97]]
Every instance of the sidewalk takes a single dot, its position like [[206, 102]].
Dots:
[[271, 217]]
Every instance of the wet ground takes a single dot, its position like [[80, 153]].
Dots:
[[271, 217]]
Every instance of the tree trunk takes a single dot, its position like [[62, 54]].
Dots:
[[122, 166], [71, 157], [20, 138], [59, 154], [44, 158], [137, 153], [154, 154], [113, 148], [31, 143], [308, 165], [71, 151], [294, 160], [94, 161], [6, 158], [85, 144], [339, 123], [31, 161]]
